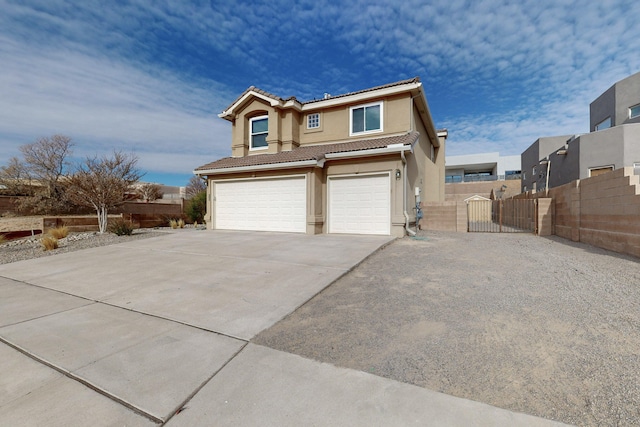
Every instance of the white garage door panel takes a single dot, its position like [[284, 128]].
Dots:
[[262, 205], [360, 205]]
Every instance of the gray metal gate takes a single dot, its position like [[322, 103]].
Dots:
[[501, 216]]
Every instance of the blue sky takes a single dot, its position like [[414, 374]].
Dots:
[[151, 76]]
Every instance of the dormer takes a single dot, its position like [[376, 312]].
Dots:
[[263, 123]]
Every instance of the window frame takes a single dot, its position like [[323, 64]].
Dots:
[[252, 134], [317, 121], [597, 126], [634, 107], [600, 169], [365, 106]]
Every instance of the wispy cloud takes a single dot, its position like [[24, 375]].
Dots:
[[151, 76]]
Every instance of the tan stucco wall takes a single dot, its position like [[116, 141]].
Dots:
[[288, 128], [334, 122], [432, 172]]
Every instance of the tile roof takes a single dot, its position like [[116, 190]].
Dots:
[[311, 152], [399, 83], [278, 98]]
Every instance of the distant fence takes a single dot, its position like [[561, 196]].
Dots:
[[143, 215], [7, 204]]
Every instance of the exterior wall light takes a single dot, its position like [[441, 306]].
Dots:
[[398, 174]]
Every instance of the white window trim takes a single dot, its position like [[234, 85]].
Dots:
[[251, 120], [595, 168], [631, 116], [365, 132], [309, 117]]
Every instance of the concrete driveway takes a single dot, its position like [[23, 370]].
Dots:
[[133, 334]]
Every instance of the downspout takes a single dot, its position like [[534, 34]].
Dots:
[[404, 196], [404, 179]]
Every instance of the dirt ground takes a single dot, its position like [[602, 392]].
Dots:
[[537, 325]]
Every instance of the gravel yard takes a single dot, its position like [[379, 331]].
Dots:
[[537, 325], [31, 247]]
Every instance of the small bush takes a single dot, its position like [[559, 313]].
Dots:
[[59, 232], [196, 208], [49, 243], [121, 227], [173, 223], [2, 239], [181, 223]]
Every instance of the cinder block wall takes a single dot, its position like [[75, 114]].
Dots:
[[610, 211], [567, 210], [602, 211], [444, 216]]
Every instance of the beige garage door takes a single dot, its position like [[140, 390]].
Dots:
[[360, 204], [275, 204]]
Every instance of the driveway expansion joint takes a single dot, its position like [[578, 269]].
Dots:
[[82, 381]]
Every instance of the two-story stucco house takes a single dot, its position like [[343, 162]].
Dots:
[[350, 163]]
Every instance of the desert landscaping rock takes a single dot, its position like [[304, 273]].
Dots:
[[537, 325], [31, 247]]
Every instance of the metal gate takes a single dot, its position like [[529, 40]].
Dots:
[[501, 216]]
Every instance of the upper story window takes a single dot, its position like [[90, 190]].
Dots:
[[605, 124], [366, 118], [634, 111], [313, 121], [259, 127]]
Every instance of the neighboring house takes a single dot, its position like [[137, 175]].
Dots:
[[350, 163], [481, 167], [613, 143]]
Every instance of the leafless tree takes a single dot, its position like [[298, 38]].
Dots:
[[195, 186], [15, 179], [149, 192], [41, 175], [102, 183]]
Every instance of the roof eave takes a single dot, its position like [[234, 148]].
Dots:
[[425, 116], [229, 113], [285, 165], [362, 96]]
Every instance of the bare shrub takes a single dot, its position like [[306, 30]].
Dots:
[[121, 227], [49, 243], [59, 232]]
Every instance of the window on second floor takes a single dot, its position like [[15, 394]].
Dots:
[[605, 124], [259, 128], [313, 121], [634, 111], [366, 118]]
